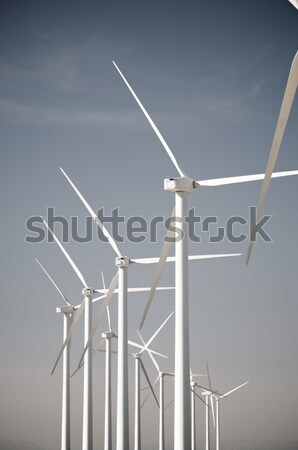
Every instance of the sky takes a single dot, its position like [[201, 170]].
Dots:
[[212, 76]]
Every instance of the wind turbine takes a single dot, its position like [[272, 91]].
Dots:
[[139, 364], [282, 120], [193, 396], [217, 398], [182, 186], [68, 312], [161, 378], [86, 305], [208, 395]]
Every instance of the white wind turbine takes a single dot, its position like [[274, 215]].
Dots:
[[182, 186], [139, 364], [193, 395], [217, 424], [68, 312], [282, 120], [86, 305], [161, 379], [208, 395], [123, 262]]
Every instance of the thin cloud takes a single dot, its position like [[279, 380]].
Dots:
[[14, 112]]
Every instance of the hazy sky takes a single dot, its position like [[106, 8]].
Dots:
[[212, 75]]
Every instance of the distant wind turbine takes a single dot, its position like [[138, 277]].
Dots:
[[68, 312], [217, 424], [139, 364]]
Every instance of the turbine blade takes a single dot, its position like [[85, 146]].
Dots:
[[233, 390], [77, 316], [190, 258], [244, 178], [139, 334], [77, 369], [100, 314], [108, 309], [212, 409], [278, 135], [69, 259], [134, 344], [170, 403], [208, 374], [99, 346], [294, 3], [148, 380], [103, 281], [158, 331], [53, 282], [148, 394], [150, 354], [94, 350], [140, 289], [92, 213], [157, 132], [94, 300], [197, 395], [168, 241]]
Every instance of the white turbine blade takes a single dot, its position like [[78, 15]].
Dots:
[[134, 344], [53, 282], [190, 258], [108, 309], [99, 346], [233, 390], [208, 374], [197, 395], [212, 409], [150, 354], [157, 331], [140, 289], [69, 259], [92, 213], [139, 334], [94, 300], [100, 314], [168, 242], [244, 178], [211, 398], [157, 132], [96, 349], [77, 369], [148, 394], [169, 404], [148, 380], [294, 3], [76, 318], [278, 135], [103, 281]]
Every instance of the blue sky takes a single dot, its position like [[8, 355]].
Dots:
[[212, 75]]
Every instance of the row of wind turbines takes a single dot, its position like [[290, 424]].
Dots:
[[181, 186]]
